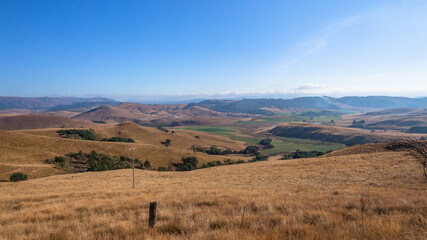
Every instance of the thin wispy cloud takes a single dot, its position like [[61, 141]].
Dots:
[[322, 39]]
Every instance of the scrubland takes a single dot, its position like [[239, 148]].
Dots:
[[379, 195]]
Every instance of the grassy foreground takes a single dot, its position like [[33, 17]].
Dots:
[[366, 196]]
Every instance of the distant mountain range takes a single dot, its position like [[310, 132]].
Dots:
[[267, 106], [53, 103], [245, 106]]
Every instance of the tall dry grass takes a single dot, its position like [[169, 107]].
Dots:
[[365, 196]]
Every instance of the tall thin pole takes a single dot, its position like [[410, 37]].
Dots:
[[133, 167], [133, 170]]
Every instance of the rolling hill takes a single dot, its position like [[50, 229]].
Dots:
[[26, 150], [348, 136], [37, 121], [391, 119], [148, 114], [375, 195]]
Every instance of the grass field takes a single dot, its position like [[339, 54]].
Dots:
[[231, 132], [288, 117], [281, 144], [362, 196]]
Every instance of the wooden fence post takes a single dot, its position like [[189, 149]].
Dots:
[[152, 214]]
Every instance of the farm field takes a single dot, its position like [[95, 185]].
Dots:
[[281, 144], [378, 195]]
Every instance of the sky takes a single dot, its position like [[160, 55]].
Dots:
[[131, 50]]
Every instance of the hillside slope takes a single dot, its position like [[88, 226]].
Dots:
[[349, 136], [27, 149], [362, 196], [36, 121]]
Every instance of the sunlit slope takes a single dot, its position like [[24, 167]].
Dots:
[[317, 198], [22, 149]]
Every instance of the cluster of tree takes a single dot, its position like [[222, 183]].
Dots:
[[82, 162], [219, 163], [303, 154], [188, 164], [358, 124], [216, 151], [99, 121], [266, 143], [118, 139], [418, 129], [78, 134]]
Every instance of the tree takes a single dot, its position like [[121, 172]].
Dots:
[[18, 176], [417, 148]]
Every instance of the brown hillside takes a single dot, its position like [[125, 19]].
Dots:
[[146, 114], [27, 149], [335, 134], [391, 119], [364, 196], [36, 121]]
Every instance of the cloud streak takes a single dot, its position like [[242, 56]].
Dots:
[[321, 40]]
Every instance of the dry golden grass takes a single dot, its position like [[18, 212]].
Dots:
[[25, 150], [365, 196]]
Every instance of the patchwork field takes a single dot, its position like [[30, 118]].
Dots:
[[378, 195], [281, 144]]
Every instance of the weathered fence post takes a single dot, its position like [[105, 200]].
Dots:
[[243, 216], [152, 214]]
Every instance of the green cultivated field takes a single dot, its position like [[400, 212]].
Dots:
[[281, 144]]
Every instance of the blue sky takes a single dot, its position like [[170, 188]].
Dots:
[[143, 49]]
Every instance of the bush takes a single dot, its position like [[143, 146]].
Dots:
[[161, 169], [60, 160], [167, 142], [18, 176], [147, 164]]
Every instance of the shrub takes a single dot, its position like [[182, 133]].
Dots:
[[167, 142], [60, 160], [161, 169], [147, 164], [18, 176]]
